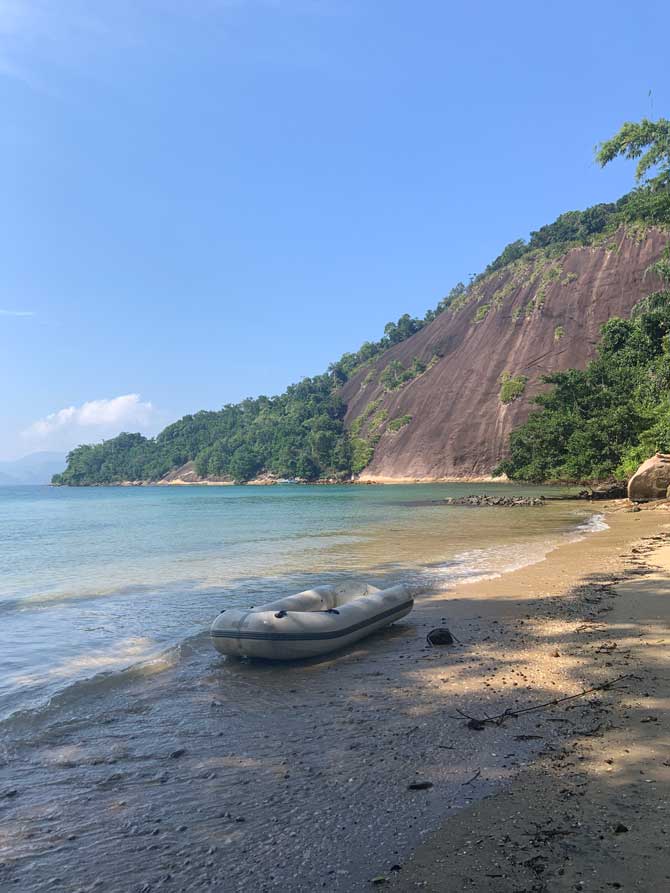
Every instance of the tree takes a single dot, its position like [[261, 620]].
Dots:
[[243, 465], [306, 468], [406, 326], [510, 253], [647, 140]]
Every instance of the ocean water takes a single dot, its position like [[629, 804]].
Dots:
[[94, 581]]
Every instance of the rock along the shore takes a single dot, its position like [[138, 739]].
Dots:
[[503, 501], [651, 480]]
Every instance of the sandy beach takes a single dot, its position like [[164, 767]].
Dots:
[[361, 770], [592, 813]]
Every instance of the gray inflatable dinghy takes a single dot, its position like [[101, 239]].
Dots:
[[310, 623]]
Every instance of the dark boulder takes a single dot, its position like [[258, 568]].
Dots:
[[651, 480], [606, 490]]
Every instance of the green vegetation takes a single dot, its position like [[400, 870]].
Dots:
[[378, 419], [576, 228], [361, 454], [649, 203], [395, 375], [482, 313], [391, 377], [511, 387], [631, 142], [559, 332], [606, 419], [400, 422], [371, 408], [298, 434]]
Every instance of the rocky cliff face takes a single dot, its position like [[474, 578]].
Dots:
[[539, 315]]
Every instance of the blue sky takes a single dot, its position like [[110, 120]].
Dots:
[[206, 201]]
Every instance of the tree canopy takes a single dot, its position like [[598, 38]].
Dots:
[[297, 434], [649, 141]]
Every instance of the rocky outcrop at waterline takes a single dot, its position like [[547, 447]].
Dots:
[[605, 490], [477, 501]]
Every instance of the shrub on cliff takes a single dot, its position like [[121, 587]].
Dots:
[[512, 387], [401, 422]]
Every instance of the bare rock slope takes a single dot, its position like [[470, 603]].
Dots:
[[538, 315]]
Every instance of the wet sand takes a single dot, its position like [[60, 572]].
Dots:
[[236, 776]]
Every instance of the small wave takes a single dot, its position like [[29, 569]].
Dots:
[[46, 600], [594, 524], [65, 705], [475, 565]]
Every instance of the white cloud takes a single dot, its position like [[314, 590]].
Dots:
[[17, 313], [95, 417]]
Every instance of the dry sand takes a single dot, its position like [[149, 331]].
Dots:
[[224, 775], [593, 813]]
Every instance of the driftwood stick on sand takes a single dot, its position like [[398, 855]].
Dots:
[[508, 713]]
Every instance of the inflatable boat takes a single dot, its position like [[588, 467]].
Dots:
[[310, 623]]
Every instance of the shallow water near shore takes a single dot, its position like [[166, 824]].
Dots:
[[96, 581]]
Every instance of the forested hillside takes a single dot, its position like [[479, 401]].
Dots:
[[438, 396]]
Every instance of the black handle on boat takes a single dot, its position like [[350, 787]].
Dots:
[[280, 614], [332, 611]]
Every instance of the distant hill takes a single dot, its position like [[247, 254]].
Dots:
[[37, 468]]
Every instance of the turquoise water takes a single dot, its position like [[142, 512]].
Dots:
[[96, 580]]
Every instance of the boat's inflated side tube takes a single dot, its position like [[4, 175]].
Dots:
[[311, 623]]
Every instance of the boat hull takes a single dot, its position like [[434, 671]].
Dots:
[[311, 623]]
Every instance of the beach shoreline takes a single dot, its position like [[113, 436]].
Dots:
[[591, 813], [209, 774], [360, 481]]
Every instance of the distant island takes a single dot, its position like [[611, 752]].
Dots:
[[553, 364], [36, 468]]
